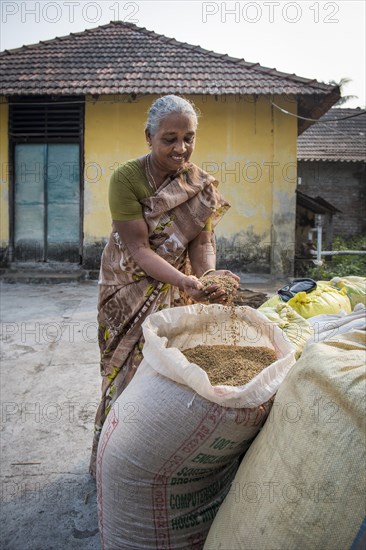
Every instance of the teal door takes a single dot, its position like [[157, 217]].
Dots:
[[47, 203]]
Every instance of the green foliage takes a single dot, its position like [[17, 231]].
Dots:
[[342, 266]]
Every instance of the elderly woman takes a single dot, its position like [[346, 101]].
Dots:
[[164, 209]]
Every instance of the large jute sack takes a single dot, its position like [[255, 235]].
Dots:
[[302, 484], [171, 444]]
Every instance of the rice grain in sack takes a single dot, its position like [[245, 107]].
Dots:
[[171, 444], [302, 484]]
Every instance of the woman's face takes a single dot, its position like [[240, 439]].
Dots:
[[172, 145]]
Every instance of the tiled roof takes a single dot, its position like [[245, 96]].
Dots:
[[342, 140], [121, 58]]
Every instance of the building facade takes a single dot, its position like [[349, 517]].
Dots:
[[70, 116]]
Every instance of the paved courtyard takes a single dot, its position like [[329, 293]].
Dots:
[[49, 391]]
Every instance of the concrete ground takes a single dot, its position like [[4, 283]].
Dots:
[[49, 390]]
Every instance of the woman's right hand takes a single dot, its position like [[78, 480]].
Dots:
[[212, 294], [195, 290], [193, 287]]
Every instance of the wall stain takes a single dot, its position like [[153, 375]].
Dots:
[[244, 251]]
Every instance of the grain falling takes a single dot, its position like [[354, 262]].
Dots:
[[230, 365]]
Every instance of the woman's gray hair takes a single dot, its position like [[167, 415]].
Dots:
[[167, 105]]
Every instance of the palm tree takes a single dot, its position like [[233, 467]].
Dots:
[[342, 83]]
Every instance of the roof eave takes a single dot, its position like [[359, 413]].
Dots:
[[318, 205], [315, 106]]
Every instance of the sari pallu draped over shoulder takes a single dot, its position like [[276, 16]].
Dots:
[[175, 215]]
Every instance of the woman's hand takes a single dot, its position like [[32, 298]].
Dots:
[[212, 294], [216, 295], [193, 287]]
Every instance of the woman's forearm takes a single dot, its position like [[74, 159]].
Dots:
[[158, 268], [202, 254]]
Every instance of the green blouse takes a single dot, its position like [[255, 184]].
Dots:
[[128, 186]]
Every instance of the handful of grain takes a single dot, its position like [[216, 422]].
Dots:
[[224, 282], [230, 365]]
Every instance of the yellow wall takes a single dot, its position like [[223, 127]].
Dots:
[[114, 133], [4, 177], [249, 145]]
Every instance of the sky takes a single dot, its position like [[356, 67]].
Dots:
[[313, 39]]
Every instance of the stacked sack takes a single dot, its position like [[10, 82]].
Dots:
[[296, 329], [302, 483], [300, 316], [324, 299]]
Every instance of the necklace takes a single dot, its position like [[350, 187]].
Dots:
[[150, 177]]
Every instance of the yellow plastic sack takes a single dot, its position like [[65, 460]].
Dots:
[[296, 328], [355, 287], [325, 299]]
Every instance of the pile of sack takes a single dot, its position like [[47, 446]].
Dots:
[[303, 315], [276, 463], [302, 483]]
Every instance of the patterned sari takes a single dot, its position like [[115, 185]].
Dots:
[[175, 215]]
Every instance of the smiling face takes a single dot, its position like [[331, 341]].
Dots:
[[173, 143]]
